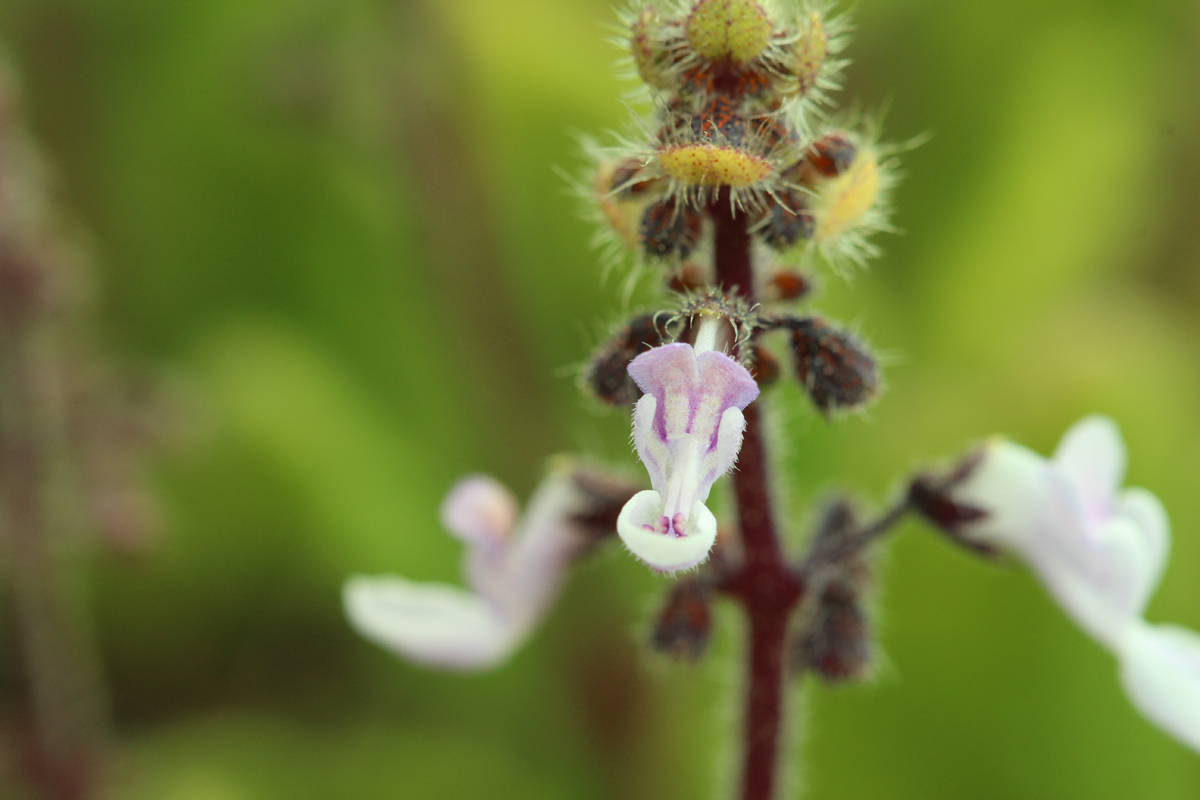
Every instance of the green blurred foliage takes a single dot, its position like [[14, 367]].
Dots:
[[337, 222]]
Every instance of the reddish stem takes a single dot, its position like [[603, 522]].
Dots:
[[764, 584]]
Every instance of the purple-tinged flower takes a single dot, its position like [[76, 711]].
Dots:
[[514, 570], [688, 430], [1099, 550]]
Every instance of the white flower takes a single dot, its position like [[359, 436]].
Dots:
[[514, 571], [688, 430], [1100, 551]]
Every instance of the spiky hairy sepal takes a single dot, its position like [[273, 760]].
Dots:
[[842, 187], [728, 30]]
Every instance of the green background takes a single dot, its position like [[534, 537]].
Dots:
[[334, 227]]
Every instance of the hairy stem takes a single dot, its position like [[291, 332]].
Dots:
[[764, 584], [862, 537]]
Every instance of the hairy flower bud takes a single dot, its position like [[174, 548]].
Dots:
[[740, 316], [737, 30], [620, 207], [714, 164], [787, 221], [786, 285], [606, 376], [836, 642], [834, 637], [670, 230], [837, 370], [811, 48], [832, 154], [844, 201], [687, 279], [627, 179], [651, 42], [684, 625], [843, 181], [764, 366]]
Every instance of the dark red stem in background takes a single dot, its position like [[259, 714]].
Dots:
[[764, 584], [55, 707]]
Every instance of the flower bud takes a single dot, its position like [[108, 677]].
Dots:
[[740, 316], [764, 366], [687, 279], [786, 285], [812, 46], [835, 528], [835, 643], [787, 221], [670, 229], [606, 375], [843, 201], [714, 162], [650, 40], [684, 625], [620, 203], [832, 154], [623, 179], [837, 370], [737, 30]]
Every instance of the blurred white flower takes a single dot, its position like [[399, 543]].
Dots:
[[513, 571], [1099, 550], [688, 430]]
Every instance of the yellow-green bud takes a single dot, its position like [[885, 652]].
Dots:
[[844, 201], [652, 57], [811, 49], [738, 30], [713, 165]]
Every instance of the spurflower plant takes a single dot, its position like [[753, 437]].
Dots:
[[731, 189]]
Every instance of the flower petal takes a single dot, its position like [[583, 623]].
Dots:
[[652, 449], [479, 510], [661, 369], [724, 377], [670, 374], [1146, 517], [546, 543], [1016, 488], [1122, 561], [729, 442], [1102, 570], [1160, 670], [638, 527], [1092, 456], [431, 623], [1035, 510]]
